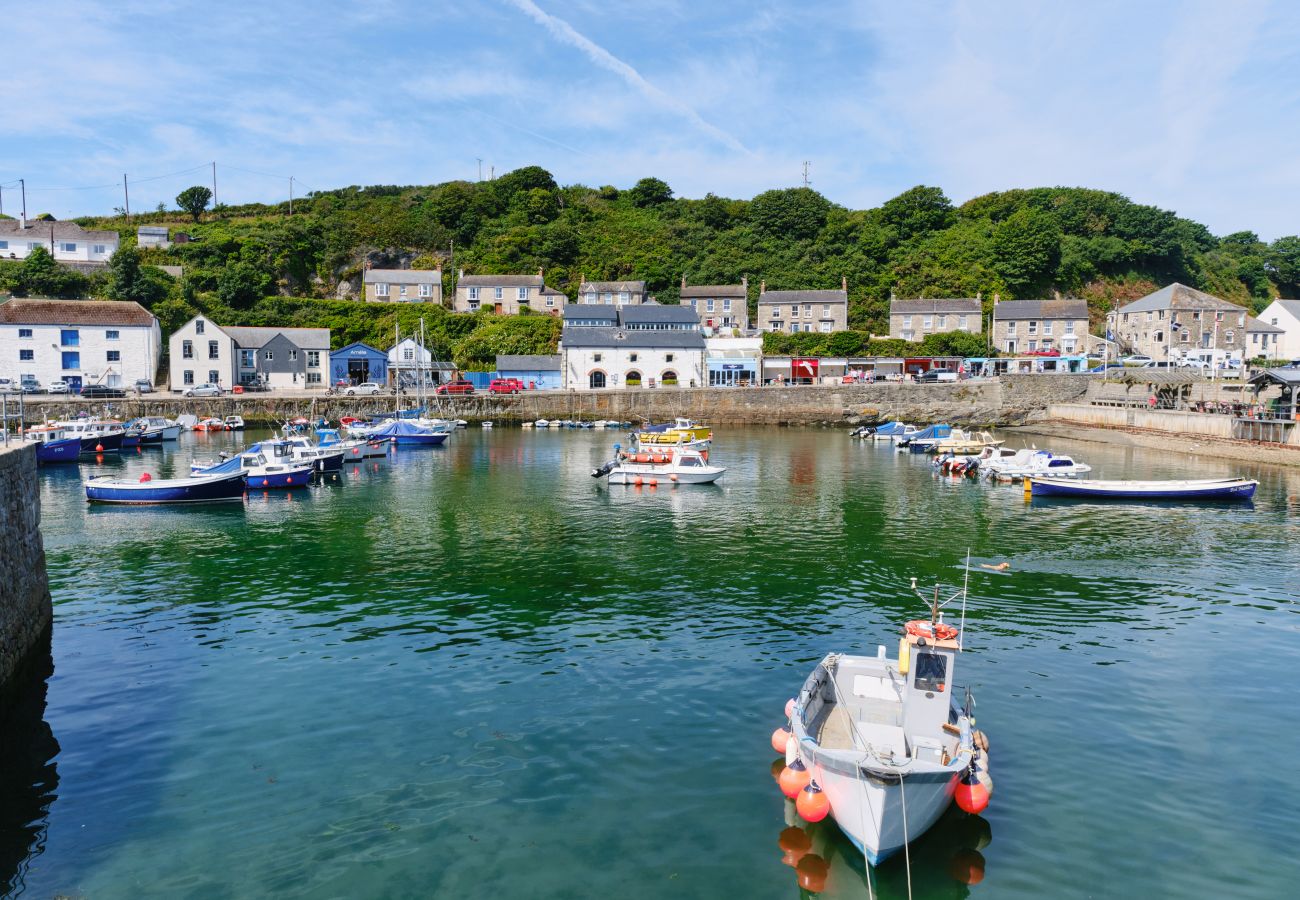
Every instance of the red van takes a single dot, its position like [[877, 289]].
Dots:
[[505, 386]]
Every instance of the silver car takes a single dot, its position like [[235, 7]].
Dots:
[[203, 390], [58, 386], [365, 389]]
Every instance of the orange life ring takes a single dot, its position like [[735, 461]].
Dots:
[[935, 631]]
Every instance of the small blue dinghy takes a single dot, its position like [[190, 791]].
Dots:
[[148, 492], [1215, 489]]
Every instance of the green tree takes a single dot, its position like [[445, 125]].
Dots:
[[128, 280], [916, 211], [790, 214], [194, 200], [1027, 248], [650, 192], [40, 276], [1284, 264], [241, 284]]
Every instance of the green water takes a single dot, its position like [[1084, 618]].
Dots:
[[477, 672]]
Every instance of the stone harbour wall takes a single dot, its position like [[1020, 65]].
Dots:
[[1009, 400], [25, 609]]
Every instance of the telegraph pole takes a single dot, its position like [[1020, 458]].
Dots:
[[214, 184], [290, 195], [480, 167], [2, 201], [24, 189], [126, 196]]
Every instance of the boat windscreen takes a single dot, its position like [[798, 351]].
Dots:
[[931, 671]]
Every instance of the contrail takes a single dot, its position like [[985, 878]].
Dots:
[[565, 32]]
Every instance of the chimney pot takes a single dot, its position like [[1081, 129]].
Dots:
[[539, 271], [762, 286], [844, 283], [996, 298]]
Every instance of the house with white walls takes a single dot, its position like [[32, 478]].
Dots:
[[1285, 315], [66, 241], [81, 342], [203, 352]]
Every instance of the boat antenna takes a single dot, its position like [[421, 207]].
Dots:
[[965, 588], [934, 605]]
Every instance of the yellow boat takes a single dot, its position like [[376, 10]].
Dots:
[[682, 431]]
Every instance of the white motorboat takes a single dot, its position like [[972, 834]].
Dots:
[[884, 745], [321, 459], [961, 442], [667, 466], [1032, 463], [352, 450], [487, 425], [171, 430], [234, 423], [542, 423]]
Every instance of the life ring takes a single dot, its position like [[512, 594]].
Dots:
[[938, 631]]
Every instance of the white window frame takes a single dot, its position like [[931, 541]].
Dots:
[[907, 322], [426, 290], [1033, 326], [522, 295], [927, 323], [68, 246], [1047, 327], [963, 323], [313, 359], [401, 290], [473, 295], [381, 289], [99, 249], [726, 304], [708, 305], [624, 297], [498, 293], [1069, 328], [826, 327]]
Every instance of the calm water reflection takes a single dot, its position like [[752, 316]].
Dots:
[[477, 671]]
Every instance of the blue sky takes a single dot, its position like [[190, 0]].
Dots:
[[1190, 106]]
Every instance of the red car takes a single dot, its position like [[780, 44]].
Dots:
[[505, 386], [456, 387]]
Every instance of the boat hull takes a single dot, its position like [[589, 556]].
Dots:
[[419, 440], [102, 443], [210, 489], [1229, 490], [664, 476], [283, 479], [67, 450]]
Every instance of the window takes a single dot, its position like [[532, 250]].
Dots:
[[1069, 328], [293, 356], [313, 377], [214, 350], [1033, 345], [631, 357], [522, 295], [187, 377], [26, 355], [807, 310], [1241, 321], [247, 358], [68, 247], [1033, 327], [962, 323], [907, 321], [100, 249], [595, 357], [726, 304], [794, 312], [187, 349], [623, 297], [268, 355], [70, 337], [426, 290], [1011, 329], [1148, 315], [826, 309], [941, 322], [473, 294], [408, 353], [198, 326], [826, 327], [401, 290], [213, 376], [1228, 336], [27, 332], [32, 245], [708, 305], [1159, 337], [668, 357], [114, 356], [71, 361], [927, 323], [607, 297], [496, 293], [550, 301], [1187, 336], [776, 312], [1047, 328], [313, 359], [931, 671], [4, 245], [111, 334], [381, 289]]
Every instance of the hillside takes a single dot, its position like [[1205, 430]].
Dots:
[[256, 264]]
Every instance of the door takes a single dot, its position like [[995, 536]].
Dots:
[[596, 379]]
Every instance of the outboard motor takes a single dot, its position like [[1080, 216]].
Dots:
[[602, 471]]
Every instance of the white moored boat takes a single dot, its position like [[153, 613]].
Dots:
[[884, 745], [1029, 463], [667, 466]]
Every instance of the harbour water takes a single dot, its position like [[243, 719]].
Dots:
[[478, 672]]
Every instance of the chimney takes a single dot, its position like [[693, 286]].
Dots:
[[683, 280], [996, 298], [1056, 294], [22, 219], [762, 287], [539, 272], [460, 273], [844, 283], [979, 295], [744, 282]]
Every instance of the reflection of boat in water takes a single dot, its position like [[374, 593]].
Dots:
[[883, 745]]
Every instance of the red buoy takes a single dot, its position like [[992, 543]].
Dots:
[[779, 738], [812, 804], [789, 708], [794, 779], [971, 795], [99, 448], [145, 477]]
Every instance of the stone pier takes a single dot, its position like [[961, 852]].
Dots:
[[25, 609]]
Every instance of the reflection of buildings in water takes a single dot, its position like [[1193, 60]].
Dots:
[[944, 860], [28, 775]]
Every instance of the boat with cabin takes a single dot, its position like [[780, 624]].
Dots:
[[1218, 490], [667, 465], [1033, 463], [272, 465], [211, 423], [352, 450], [53, 444], [321, 459], [97, 435], [882, 745], [234, 423], [171, 430], [682, 431], [963, 443], [211, 488], [405, 433], [922, 440], [883, 432]]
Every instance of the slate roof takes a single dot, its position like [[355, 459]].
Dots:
[[835, 296], [26, 311], [38, 230], [528, 363], [403, 276], [552, 292], [632, 338], [252, 338], [516, 281], [659, 313], [635, 287], [1178, 296], [1259, 326], [1291, 306], [714, 290], [1282, 375], [590, 311], [937, 305], [1040, 309]]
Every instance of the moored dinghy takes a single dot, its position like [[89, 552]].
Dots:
[[148, 492], [882, 745], [1213, 490]]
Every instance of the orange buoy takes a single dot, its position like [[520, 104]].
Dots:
[[971, 795], [794, 779], [812, 871], [639, 481], [967, 866], [779, 738], [812, 804], [673, 477], [789, 708], [99, 448], [654, 482], [145, 477], [937, 631]]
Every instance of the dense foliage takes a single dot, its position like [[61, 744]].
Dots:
[[244, 262]]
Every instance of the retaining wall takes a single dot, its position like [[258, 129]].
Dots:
[[25, 609]]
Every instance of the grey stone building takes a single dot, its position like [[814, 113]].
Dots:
[[912, 320], [1175, 319], [795, 311], [611, 293], [507, 294], [1030, 326], [403, 285], [721, 306]]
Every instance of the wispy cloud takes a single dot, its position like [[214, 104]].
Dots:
[[565, 32]]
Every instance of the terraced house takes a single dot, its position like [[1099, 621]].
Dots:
[[1032, 326], [507, 294], [721, 307], [202, 352], [403, 285], [645, 346], [1175, 319], [912, 320], [796, 311], [612, 293]]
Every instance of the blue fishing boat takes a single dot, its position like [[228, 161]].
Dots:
[[924, 440], [1213, 490], [408, 434], [53, 444], [96, 436], [148, 492], [272, 465]]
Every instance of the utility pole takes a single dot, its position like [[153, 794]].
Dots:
[[480, 167], [2, 201], [492, 173], [126, 196], [24, 190], [806, 164], [214, 184], [290, 195], [452, 265]]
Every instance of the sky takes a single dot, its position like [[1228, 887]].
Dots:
[[1189, 106]]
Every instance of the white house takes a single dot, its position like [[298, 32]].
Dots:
[[79, 341], [649, 345], [1284, 314], [408, 362], [203, 352], [67, 241]]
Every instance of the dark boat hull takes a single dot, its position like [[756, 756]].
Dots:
[[175, 491], [103, 443], [67, 450]]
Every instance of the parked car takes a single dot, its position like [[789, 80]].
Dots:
[[504, 386], [144, 386], [102, 392], [936, 375], [1160, 364], [58, 386], [7, 386], [253, 386], [1136, 360], [30, 386], [365, 389], [456, 387], [203, 390]]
